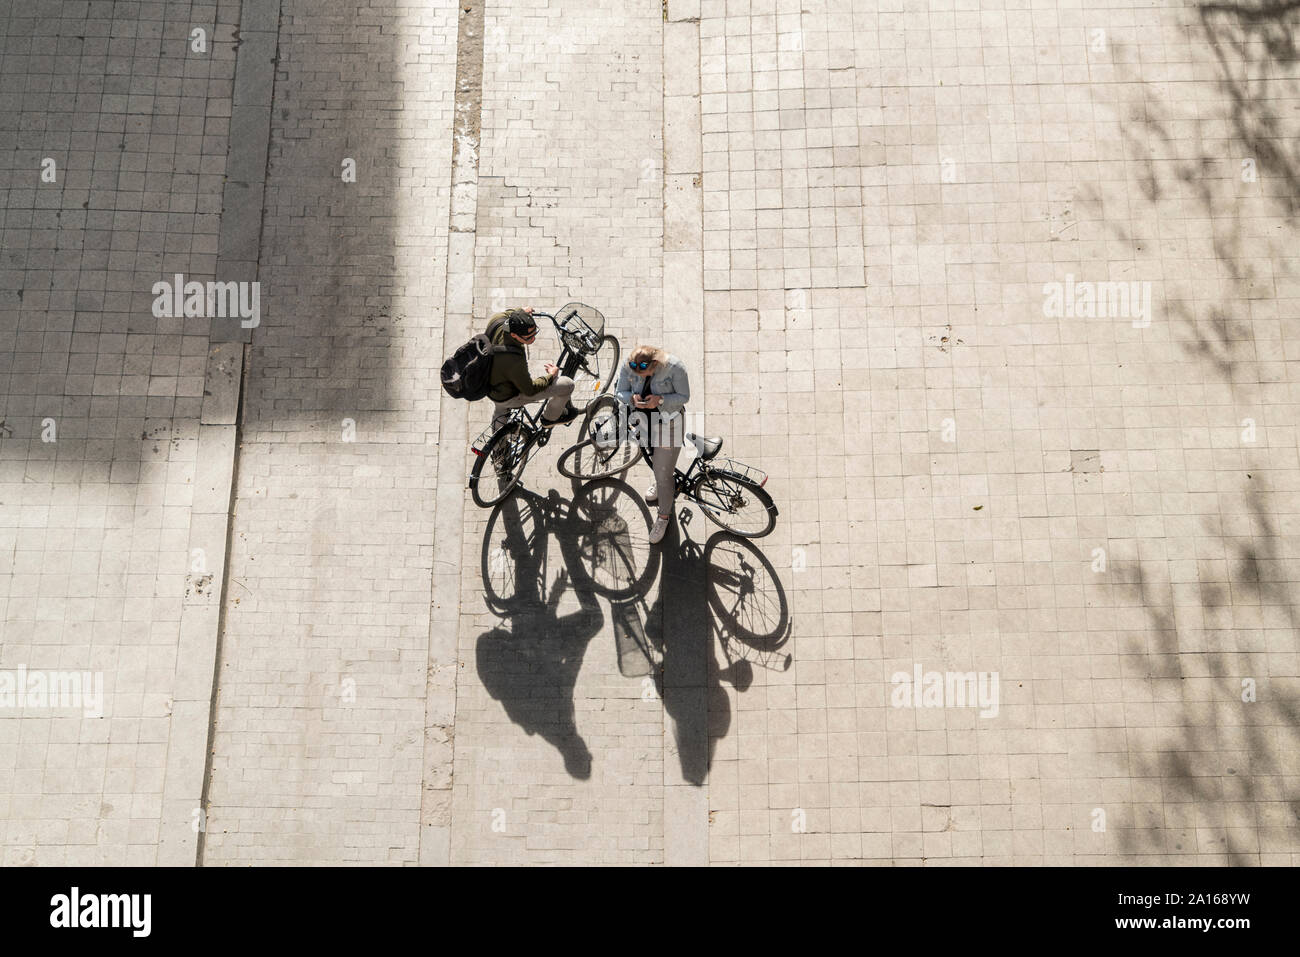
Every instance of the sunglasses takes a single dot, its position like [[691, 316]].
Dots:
[[640, 366]]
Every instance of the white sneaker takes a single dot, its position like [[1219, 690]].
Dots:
[[660, 529], [651, 494]]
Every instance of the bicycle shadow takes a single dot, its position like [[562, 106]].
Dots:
[[723, 587], [531, 663]]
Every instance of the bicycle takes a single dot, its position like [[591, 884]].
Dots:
[[590, 358], [730, 493]]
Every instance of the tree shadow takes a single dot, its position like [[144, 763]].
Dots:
[[1226, 753], [1253, 44]]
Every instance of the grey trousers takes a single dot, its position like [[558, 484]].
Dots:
[[556, 395], [670, 435], [664, 460]]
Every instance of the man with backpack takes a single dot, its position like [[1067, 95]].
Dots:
[[494, 365], [511, 384]]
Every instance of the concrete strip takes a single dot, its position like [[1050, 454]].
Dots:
[[221, 384], [259, 16], [686, 826], [250, 134], [178, 837], [684, 10], [444, 620], [238, 246], [178, 841], [240, 236], [681, 59], [197, 646], [255, 68], [682, 145], [212, 473], [684, 306], [687, 638], [682, 205], [196, 657]]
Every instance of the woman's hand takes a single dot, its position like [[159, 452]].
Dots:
[[652, 402]]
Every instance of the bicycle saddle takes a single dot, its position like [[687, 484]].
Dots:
[[706, 447]]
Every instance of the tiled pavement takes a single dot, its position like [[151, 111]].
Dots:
[[319, 718], [843, 216], [886, 191], [558, 755], [100, 442]]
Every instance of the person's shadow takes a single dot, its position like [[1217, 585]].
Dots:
[[725, 587], [530, 664]]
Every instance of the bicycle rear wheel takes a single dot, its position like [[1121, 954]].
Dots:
[[501, 464], [595, 373], [735, 503]]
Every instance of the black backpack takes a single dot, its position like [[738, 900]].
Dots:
[[465, 375]]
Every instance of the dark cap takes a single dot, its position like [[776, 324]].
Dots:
[[521, 323]]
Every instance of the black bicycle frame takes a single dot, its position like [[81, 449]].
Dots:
[[682, 481]]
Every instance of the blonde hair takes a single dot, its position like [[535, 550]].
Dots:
[[651, 353]]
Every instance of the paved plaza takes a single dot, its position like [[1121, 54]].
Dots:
[[1002, 295]]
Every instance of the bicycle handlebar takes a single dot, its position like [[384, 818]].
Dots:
[[585, 336]]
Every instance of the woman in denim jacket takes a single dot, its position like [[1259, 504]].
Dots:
[[655, 383]]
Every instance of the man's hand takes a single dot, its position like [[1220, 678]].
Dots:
[[528, 309], [552, 369]]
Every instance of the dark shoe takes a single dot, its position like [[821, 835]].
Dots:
[[569, 414]]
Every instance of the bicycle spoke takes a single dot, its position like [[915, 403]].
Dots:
[[595, 372], [586, 460], [503, 462], [734, 503]]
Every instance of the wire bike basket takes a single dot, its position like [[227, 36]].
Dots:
[[581, 327]]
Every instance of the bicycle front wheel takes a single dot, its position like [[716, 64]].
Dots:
[[595, 373], [735, 503], [606, 447], [587, 460], [501, 464]]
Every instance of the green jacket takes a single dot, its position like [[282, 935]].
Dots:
[[510, 376]]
